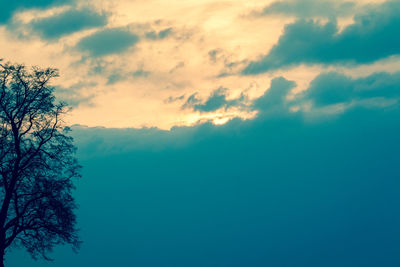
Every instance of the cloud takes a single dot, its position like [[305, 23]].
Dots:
[[274, 99], [373, 36], [73, 95], [101, 141], [68, 22], [8, 8], [191, 101], [173, 99], [333, 88], [120, 75], [141, 73], [114, 78], [217, 99], [159, 35], [178, 66], [310, 8], [214, 55], [281, 185], [107, 41]]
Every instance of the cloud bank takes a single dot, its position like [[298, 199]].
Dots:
[[372, 36], [273, 191]]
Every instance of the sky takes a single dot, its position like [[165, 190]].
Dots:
[[224, 133]]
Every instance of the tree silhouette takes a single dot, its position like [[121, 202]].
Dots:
[[37, 164]]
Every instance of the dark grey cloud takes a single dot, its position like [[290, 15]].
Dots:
[[191, 101], [373, 36], [68, 22], [310, 8], [274, 99], [107, 41], [8, 8], [217, 99], [326, 89], [333, 88]]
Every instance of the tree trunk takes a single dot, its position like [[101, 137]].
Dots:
[[2, 251], [2, 246]]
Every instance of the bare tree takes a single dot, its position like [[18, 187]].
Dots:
[[37, 164]]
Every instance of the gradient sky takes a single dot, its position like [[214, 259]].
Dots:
[[224, 133]]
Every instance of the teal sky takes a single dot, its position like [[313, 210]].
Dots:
[[224, 133]]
